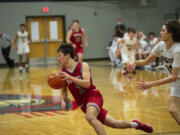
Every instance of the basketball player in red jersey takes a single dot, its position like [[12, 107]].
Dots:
[[74, 37], [88, 98]]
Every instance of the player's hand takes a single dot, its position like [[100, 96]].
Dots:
[[74, 46], [86, 45], [64, 75], [117, 53], [131, 66], [63, 105], [107, 48], [142, 85]]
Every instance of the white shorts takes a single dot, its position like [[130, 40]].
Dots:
[[23, 49], [175, 89], [127, 57]]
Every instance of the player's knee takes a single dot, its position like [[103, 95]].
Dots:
[[90, 118]]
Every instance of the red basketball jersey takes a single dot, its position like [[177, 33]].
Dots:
[[76, 37], [80, 94]]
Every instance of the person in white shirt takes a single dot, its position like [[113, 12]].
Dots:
[[112, 51], [142, 45], [169, 51], [153, 41], [22, 46], [129, 48]]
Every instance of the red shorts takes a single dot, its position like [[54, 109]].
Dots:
[[95, 99], [79, 49]]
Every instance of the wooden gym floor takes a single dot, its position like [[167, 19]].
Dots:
[[28, 106]]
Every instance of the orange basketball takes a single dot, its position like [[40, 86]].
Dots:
[[55, 81]]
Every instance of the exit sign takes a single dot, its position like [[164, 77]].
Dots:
[[45, 9]]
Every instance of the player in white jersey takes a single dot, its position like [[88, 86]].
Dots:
[[169, 51], [22, 46], [129, 48], [112, 51]]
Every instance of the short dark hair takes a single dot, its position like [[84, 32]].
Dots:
[[173, 26], [67, 49], [131, 30], [22, 25], [122, 27], [77, 21], [151, 33]]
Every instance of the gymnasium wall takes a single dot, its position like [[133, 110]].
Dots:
[[99, 28]]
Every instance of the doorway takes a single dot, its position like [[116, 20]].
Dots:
[[46, 34]]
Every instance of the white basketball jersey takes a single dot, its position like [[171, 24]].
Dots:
[[129, 45], [22, 38]]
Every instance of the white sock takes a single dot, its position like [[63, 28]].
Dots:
[[134, 124], [26, 65], [20, 67]]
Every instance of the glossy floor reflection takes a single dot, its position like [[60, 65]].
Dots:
[[29, 106]]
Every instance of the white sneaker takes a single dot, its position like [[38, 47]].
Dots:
[[27, 68], [111, 64], [120, 65], [20, 69], [148, 67], [161, 67]]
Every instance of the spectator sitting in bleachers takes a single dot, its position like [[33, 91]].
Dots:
[[142, 45], [153, 41]]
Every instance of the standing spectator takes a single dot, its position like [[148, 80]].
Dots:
[[22, 46], [5, 44]]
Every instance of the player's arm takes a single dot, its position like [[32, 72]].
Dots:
[[85, 38], [145, 85], [155, 53], [14, 42], [63, 98], [146, 61], [84, 82], [137, 46], [174, 72], [29, 39], [68, 37], [131, 65], [119, 42], [117, 47]]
